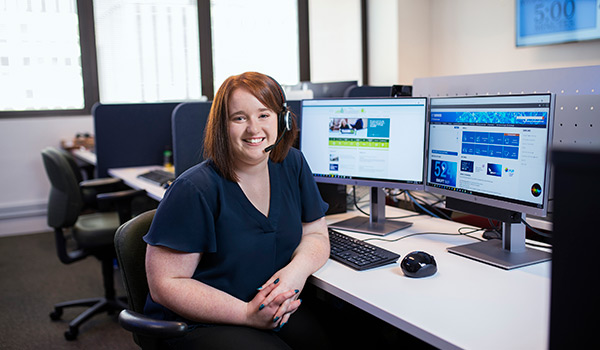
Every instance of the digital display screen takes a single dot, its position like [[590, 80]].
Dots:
[[365, 141], [541, 22], [493, 147]]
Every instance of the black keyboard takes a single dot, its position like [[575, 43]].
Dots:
[[158, 177], [357, 254]]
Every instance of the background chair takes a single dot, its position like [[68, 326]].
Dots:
[[92, 234], [131, 254], [90, 188]]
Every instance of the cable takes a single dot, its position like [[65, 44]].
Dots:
[[387, 218], [473, 230], [535, 230], [356, 203], [433, 207], [420, 206]]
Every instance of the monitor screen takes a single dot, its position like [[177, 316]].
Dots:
[[365, 141], [491, 150], [376, 142]]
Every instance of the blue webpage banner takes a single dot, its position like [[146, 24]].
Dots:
[[510, 118], [378, 127]]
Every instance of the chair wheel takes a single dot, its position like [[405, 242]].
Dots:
[[56, 314], [71, 334]]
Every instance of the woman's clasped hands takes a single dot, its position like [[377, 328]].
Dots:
[[270, 308]]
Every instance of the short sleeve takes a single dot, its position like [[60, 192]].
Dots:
[[313, 205], [184, 220]]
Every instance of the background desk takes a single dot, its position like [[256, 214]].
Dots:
[[129, 177], [466, 304], [85, 156]]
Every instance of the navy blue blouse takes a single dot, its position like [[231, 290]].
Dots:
[[242, 248]]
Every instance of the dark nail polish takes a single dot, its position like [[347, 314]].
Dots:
[[276, 281], [277, 329], [296, 291], [262, 306], [275, 319]]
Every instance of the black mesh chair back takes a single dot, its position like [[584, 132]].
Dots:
[[131, 254]]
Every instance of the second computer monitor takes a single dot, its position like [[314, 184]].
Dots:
[[489, 155], [377, 142]]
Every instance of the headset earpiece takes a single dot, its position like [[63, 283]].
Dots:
[[285, 120]]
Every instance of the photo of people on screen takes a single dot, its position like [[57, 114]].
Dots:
[[346, 125]]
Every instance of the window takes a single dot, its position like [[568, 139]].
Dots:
[[260, 35], [40, 56], [148, 50], [335, 40], [59, 57]]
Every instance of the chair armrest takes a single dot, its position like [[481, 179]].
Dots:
[[102, 182], [144, 325], [120, 195], [91, 188], [122, 201]]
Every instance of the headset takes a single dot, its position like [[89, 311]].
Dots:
[[284, 119]]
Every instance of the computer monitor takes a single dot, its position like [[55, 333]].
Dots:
[[333, 89], [377, 142], [489, 155]]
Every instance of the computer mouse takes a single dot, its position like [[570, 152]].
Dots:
[[418, 264]]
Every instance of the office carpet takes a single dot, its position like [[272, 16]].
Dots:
[[32, 280]]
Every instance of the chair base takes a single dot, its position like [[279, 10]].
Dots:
[[95, 306]]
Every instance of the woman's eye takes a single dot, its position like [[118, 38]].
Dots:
[[264, 115]]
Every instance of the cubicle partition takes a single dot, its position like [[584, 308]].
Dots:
[[188, 122], [129, 135], [325, 89], [369, 91]]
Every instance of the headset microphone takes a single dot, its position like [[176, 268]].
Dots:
[[269, 148], [287, 125]]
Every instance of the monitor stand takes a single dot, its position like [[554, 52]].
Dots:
[[508, 253], [375, 224]]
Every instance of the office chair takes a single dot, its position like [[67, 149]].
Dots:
[[92, 233], [131, 254], [92, 187]]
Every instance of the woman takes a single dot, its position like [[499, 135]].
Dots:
[[236, 237]]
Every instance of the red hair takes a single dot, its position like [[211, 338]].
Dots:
[[216, 139]]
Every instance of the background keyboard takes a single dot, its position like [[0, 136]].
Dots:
[[158, 177], [357, 254]]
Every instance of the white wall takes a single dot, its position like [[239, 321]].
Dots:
[[24, 186], [399, 37], [462, 37]]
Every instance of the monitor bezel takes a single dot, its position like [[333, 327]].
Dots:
[[373, 182], [490, 200]]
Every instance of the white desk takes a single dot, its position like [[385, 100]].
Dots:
[[129, 177], [85, 155], [466, 304]]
